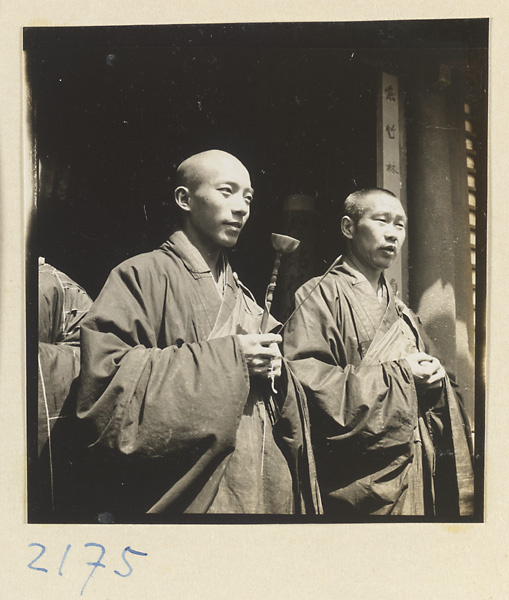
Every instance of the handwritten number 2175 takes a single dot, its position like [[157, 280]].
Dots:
[[94, 564]]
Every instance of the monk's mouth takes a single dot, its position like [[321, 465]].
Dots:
[[234, 225]]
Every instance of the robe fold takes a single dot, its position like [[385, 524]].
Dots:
[[381, 446], [173, 421], [62, 307]]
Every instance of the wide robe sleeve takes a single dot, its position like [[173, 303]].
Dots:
[[162, 420], [62, 305], [363, 417]]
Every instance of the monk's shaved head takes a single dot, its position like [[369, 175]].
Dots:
[[355, 204], [192, 171], [214, 194]]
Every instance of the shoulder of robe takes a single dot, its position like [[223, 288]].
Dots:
[[154, 261], [326, 288], [305, 288]]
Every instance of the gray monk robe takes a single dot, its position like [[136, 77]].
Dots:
[[62, 306], [380, 446], [173, 420]]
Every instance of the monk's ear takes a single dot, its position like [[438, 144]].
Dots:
[[182, 198], [347, 227]]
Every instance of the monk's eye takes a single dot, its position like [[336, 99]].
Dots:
[[226, 190], [248, 198]]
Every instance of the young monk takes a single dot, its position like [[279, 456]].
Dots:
[[176, 378]]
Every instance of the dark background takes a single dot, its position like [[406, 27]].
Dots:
[[113, 124], [114, 110]]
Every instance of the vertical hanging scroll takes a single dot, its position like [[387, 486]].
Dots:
[[390, 161]]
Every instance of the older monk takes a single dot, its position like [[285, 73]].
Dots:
[[389, 431]]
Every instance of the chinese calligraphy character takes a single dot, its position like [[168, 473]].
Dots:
[[391, 167], [390, 94], [391, 131]]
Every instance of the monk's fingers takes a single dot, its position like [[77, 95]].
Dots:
[[419, 362], [437, 366], [276, 349], [433, 368], [257, 371], [422, 371], [437, 376], [422, 357], [435, 363], [423, 367], [430, 363], [255, 344], [258, 365], [267, 353], [266, 339], [276, 366], [266, 368], [261, 353], [263, 363]]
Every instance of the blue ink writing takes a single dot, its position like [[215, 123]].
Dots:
[[65, 562], [128, 549], [30, 564], [63, 559], [95, 564]]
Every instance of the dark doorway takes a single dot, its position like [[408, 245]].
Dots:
[[112, 122]]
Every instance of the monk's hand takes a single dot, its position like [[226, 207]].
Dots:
[[427, 370], [276, 363], [262, 354]]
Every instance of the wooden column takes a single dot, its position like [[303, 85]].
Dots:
[[439, 241]]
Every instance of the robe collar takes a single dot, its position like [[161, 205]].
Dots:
[[215, 308], [374, 317], [179, 244], [358, 278]]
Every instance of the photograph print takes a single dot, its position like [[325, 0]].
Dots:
[[256, 272]]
